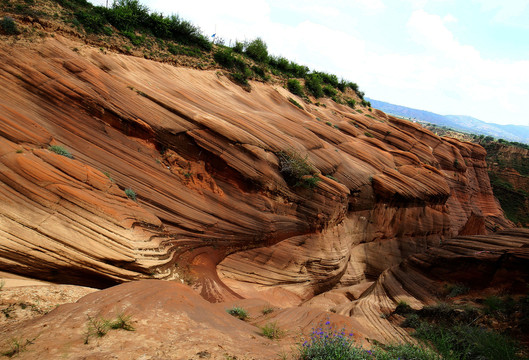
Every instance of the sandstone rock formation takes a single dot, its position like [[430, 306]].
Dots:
[[201, 154], [213, 207], [171, 321]]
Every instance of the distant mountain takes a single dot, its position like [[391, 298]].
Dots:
[[457, 122]]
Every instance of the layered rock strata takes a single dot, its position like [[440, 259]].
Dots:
[[212, 206]]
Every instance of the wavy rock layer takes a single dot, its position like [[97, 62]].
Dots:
[[193, 328], [202, 156]]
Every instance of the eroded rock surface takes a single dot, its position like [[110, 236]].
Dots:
[[201, 155], [212, 205]]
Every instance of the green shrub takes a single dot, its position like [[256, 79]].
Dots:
[[8, 26], [134, 39], [183, 50], [267, 310], [294, 86], [94, 20], [131, 194], [467, 342], [242, 77], [16, 346], [411, 321], [99, 327], [238, 47], [403, 308], [329, 91], [132, 16], [351, 103], [493, 304], [295, 103], [444, 313], [457, 289], [261, 72], [58, 149], [313, 84], [364, 102], [238, 312], [272, 331], [329, 79], [257, 50], [296, 169], [404, 352], [330, 343], [224, 58], [289, 68], [121, 322], [368, 134]]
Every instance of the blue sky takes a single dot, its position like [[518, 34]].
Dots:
[[452, 57]]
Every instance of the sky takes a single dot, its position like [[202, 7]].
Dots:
[[451, 57]]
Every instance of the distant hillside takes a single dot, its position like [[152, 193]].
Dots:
[[458, 122]]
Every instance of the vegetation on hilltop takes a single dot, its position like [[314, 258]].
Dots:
[[502, 156], [162, 37]]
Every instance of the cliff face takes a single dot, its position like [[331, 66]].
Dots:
[[203, 157], [508, 167]]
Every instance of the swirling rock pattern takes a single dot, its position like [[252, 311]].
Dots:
[[212, 205]]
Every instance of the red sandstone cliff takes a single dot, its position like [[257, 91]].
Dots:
[[201, 154]]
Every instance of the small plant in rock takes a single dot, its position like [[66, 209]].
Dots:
[[8, 310], [328, 343], [16, 346], [99, 327], [238, 312], [272, 331], [295, 103], [411, 321], [267, 310], [131, 194], [403, 308], [456, 290], [60, 150], [122, 322], [296, 169]]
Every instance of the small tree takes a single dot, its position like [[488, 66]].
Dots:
[[313, 84], [295, 87], [257, 50]]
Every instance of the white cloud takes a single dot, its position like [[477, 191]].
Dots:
[[481, 84], [449, 18], [505, 11]]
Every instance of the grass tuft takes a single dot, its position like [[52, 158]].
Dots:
[[272, 331], [131, 194], [238, 312], [267, 310], [99, 327], [296, 169], [60, 150]]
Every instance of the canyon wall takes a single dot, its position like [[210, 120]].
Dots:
[[203, 157]]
